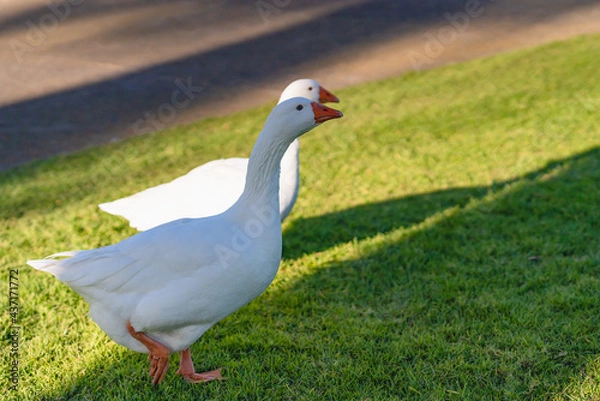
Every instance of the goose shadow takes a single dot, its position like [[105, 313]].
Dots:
[[319, 233], [512, 272], [463, 288]]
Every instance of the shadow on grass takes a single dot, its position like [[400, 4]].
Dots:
[[497, 299], [308, 235]]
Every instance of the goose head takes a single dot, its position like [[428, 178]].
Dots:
[[298, 115], [310, 89], [287, 121]]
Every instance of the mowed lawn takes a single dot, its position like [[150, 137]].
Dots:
[[445, 246]]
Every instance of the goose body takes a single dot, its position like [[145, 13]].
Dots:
[[213, 187], [160, 290], [172, 283]]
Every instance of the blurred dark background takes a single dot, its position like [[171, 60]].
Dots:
[[86, 72]]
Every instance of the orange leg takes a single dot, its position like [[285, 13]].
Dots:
[[186, 369], [159, 354]]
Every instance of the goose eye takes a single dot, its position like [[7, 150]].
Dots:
[[310, 88], [299, 107]]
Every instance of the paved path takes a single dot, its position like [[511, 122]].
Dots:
[[87, 72]]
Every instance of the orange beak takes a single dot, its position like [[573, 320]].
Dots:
[[326, 96], [324, 113]]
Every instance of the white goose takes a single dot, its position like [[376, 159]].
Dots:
[[160, 290], [213, 187]]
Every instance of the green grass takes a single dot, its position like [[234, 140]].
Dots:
[[445, 246]]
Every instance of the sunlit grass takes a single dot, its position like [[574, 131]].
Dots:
[[445, 245]]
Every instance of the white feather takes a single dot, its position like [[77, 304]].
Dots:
[[175, 281], [213, 187]]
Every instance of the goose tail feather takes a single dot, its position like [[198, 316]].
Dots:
[[51, 261]]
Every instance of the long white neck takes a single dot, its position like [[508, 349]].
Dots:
[[262, 177], [290, 178], [289, 162]]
